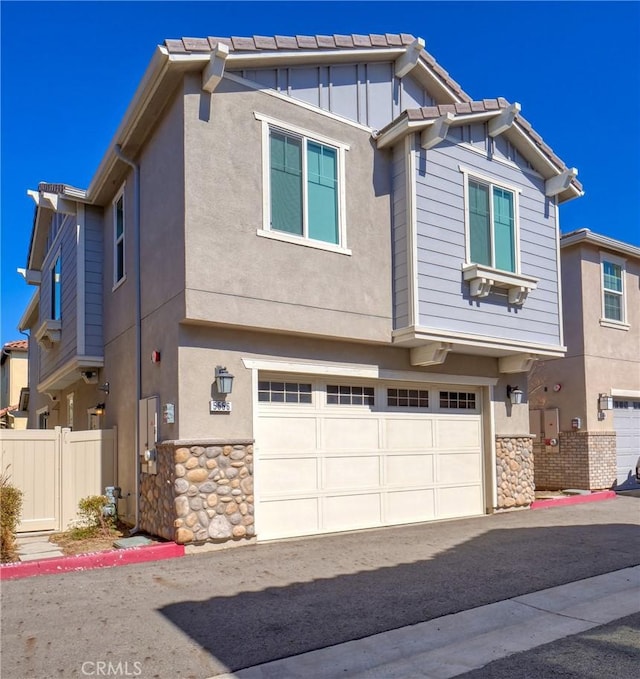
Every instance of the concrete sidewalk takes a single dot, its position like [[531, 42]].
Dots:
[[455, 644], [36, 547]]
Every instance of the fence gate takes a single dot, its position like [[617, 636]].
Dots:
[[55, 468]]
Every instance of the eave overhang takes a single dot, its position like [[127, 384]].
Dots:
[[70, 373], [30, 315], [587, 236], [433, 123]]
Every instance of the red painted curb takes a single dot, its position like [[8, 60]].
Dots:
[[573, 499], [83, 562]]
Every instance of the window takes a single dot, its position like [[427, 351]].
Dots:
[[43, 419], [458, 399], [492, 225], [407, 398], [283, 392], [56, 302], [613, 307], [70, 410], [118, 239], [353, 396], [304, 186]]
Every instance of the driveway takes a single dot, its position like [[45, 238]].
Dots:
[[217, 611]]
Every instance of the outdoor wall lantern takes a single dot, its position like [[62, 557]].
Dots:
[[224, 380], [514, 394], [605, 402], [99, 409]]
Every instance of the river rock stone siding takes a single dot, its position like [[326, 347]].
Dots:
[[514, 470], [584, 460], [211, 487], [156, 496]]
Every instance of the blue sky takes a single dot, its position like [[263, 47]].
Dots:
[[69, 69]]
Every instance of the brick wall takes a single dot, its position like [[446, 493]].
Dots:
[[585, 460]]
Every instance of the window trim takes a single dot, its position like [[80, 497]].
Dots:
[[117, 282], [269, 123], [55, 294], [491, 182], [612, 322]]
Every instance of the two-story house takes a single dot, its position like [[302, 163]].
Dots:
[[14, 368], [370, 253], [586, 406]]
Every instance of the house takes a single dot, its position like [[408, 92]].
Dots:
[[585, 407], [332, 224], [13, 382]]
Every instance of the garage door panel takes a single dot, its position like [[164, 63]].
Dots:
[[351, 472], [458, 467], [460, 432], [346, 512], [410, 506], [626, 423], [286, 518], [280, 434], [409, 470], [461, 501], [341, 433], [280, 475], [409, 434]]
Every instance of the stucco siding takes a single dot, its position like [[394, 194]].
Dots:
[[368, 94], [234, 275], [444, 300]]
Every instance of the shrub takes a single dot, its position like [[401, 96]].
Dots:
[[92, 520], [10, 508]]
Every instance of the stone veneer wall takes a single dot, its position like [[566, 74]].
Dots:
[[585, 460], [210, 485], [514, 471]]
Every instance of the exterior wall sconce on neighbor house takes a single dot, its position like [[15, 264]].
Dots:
[[514, 394], [224, 380], [98, 409]]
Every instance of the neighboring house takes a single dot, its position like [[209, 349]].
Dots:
[[372, 255], [589, 401], [14, 377]]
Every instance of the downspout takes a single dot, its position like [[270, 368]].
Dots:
[[138, 324]]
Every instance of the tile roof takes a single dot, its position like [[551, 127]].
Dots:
[[484, 106], [17, 345], [261, 43], [8, 409]]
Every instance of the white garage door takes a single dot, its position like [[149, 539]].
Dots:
[[334, 456], [626, 422]]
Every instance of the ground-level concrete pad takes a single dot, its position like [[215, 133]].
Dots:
[[454, 644]]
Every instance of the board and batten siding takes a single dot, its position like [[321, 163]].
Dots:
[[400, 240], [368, 94], [94, 257], [65, 246], [443, 295]]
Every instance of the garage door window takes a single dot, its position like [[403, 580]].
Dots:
[[284, 392], [407, 398], [353, 396], [459, 400]]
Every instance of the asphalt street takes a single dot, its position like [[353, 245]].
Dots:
[[221, 611]]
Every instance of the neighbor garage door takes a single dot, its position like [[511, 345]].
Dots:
[[334, 456], [626, 422]]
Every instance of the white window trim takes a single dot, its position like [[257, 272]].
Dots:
[[611, 322], [70, 403], [491, 181], [117, 282], [52, 266], [267, 123], [42, 411]]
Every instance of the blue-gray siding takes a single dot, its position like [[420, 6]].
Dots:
[[65, 246], [399, 241], [444, 300], [94, 258], [369, 94]]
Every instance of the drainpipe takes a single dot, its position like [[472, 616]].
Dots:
[[138, 325]]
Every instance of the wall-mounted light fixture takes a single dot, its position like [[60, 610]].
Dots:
[[104, 387], [605, 402], [99, 409], [514, 394], [224, 380]]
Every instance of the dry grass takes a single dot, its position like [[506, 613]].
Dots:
[[98, 543]]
